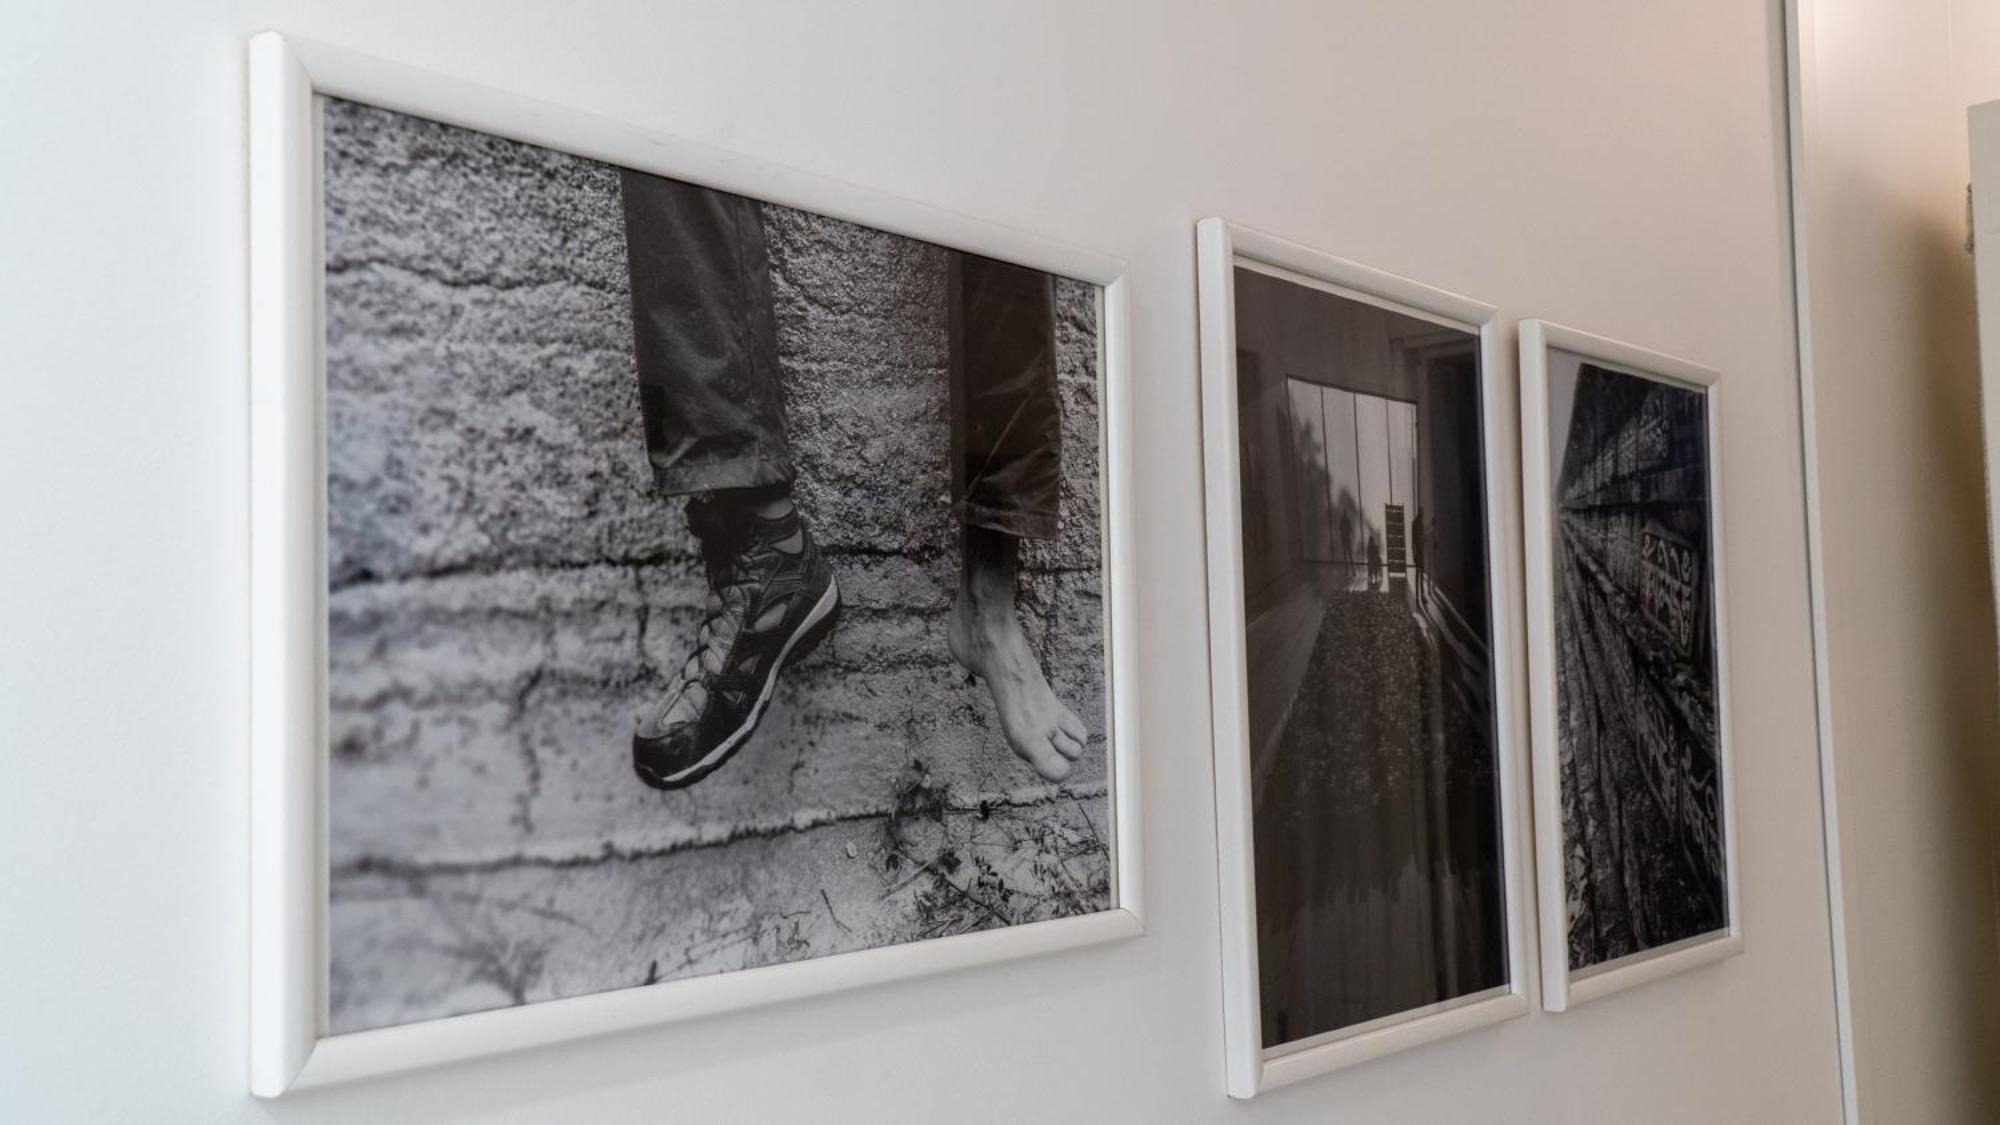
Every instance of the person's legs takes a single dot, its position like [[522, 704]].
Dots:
[[705, 340], [704, 336], [1007, 468]]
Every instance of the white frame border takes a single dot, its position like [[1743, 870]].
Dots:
[[1250, 1067], [1561, 988], [288, 1048]]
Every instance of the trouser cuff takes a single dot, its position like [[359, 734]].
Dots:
[[1013, 521], [741, 472]]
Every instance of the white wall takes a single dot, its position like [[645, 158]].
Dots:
[[1615, 164], [1910, 636]]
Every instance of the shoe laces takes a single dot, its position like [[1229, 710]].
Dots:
[[726, 549]]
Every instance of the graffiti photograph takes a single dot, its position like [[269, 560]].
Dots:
[[1380, 887], [1635, 661]]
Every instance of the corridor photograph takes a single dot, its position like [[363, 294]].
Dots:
[[1377, 840]]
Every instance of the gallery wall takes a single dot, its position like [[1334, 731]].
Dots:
[[1910, 637], [1619, 166]]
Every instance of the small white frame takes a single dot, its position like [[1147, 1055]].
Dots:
[[289, 1048], [1561, 988], [1252, 1068]]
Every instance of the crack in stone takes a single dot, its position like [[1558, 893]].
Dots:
[[805, 820], [524, 802], [661, 559], [645, 617], [494, 284]]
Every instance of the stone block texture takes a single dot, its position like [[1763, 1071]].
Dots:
[[508, 593]]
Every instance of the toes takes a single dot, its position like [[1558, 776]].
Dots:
[[1041, 754], [1066, 744], [1073, 726]]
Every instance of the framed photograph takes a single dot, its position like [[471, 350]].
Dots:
[[679, 583], [1366, 777], [1635, 827]]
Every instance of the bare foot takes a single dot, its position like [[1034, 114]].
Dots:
[[985, 636]]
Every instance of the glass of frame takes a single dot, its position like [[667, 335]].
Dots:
[[1634, 809], [1358, 600]]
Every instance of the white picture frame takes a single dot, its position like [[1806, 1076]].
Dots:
[[1561, 988], [1250, 1067], [288, 1046]]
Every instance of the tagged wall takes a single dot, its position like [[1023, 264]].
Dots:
[[1614, 165]]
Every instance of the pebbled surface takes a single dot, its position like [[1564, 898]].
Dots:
[[507, 594]]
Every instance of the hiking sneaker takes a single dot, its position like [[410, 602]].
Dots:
[[771, 598]]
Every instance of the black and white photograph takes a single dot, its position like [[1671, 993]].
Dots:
[[1375, 797], [711, 584], [1635, 661]]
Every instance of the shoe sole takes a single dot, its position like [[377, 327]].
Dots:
[[816, 625]]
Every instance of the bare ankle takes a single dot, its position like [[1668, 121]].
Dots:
[[989, 569]]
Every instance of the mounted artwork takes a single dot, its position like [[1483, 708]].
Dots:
[[1362, 693], [1634, 817], [680, 583]]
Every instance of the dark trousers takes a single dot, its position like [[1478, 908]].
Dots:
[[705, 338]]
